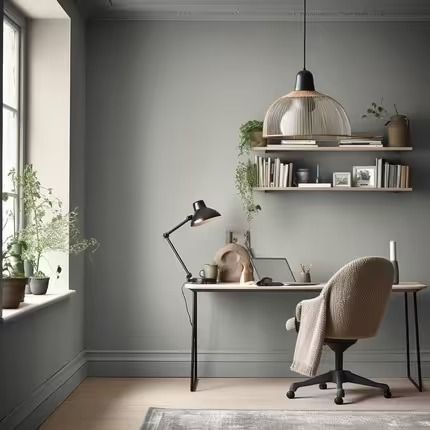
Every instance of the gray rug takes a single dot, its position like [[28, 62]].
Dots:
[[213, 419]]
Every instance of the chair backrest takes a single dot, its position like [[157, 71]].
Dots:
[[357, 297]]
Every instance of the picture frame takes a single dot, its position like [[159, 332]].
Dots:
[[341, 179], [364, 176]]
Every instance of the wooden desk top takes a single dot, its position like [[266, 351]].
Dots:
[[403, 287]]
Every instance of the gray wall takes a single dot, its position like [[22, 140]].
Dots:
[[41, 356], [164, 104]]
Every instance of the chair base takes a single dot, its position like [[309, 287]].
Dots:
[[339, 376]]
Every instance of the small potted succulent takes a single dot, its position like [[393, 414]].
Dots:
[[13, 280], [47, 228]]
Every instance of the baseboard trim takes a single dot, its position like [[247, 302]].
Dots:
[[241, 364], [116, 363], [29, 414]]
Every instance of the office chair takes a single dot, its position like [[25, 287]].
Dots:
[[357, 296]]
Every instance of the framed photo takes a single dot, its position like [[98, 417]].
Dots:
[[341, 179], [364, 176]]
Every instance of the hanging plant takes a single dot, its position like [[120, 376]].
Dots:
[[246, 179], [251, 134], [246, 171]]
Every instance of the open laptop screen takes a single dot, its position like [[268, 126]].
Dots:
[[276, 268]]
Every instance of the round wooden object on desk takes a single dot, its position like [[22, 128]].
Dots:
[[234, 264]]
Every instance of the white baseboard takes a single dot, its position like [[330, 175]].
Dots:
[[29, 414], [241, 364]]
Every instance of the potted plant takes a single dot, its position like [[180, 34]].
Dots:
[[251, 135], [47, 227], [397, 126], [13, 281]]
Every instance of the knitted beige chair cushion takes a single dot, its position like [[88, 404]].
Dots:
[[357, 297]]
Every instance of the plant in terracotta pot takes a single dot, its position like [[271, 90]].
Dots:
[[47, 227], [13, 281]]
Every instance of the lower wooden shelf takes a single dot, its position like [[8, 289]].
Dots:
[[336, 189]]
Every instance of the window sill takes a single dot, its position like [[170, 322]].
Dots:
[[34, 303]]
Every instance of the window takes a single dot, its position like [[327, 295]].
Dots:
[[12, 122]]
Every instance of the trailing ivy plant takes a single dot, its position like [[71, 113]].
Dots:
[[245, 135], [246, 171], [47, 226]]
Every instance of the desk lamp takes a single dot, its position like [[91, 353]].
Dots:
[[202, 214]]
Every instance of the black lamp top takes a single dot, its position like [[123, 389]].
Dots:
[[305, 81], [202, 213]]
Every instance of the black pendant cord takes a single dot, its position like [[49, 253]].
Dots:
[[304, 34]]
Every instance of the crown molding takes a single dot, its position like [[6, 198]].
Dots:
[[315, 16]]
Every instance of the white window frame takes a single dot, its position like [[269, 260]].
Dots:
[[16, 19]]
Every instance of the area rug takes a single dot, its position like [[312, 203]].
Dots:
[[214, 419]]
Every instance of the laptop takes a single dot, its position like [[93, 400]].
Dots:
[[276, 268]]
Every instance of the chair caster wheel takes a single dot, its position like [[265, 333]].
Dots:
[[387, 394], [323, 386], [291, 394], [338, 400]]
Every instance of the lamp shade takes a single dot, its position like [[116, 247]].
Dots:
[[202, 213], [305, 113]]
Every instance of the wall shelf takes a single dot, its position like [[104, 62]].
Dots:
[[335, 189], [283, 148]]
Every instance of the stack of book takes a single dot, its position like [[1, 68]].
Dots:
[[294, 144], [389, 175], [298, 143], [273, 173], [360, 143]]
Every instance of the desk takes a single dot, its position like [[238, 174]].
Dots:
[[406, 288]]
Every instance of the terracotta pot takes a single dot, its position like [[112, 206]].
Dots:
[[39, 286], [13, 292]]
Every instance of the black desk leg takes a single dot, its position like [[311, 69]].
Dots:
[[419, 384], [193, 381]]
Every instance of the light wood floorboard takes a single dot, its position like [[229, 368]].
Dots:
[[122, 403]]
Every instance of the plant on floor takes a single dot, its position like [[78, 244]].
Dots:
[[47, 226], [246, 171]]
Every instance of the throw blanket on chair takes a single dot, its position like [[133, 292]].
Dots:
[[312, 316]]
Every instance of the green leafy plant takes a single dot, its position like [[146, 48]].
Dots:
[[47, 227], [9, 269], [246, 179], [246, 134]]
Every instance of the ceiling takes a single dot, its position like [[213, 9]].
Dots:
[[48, 9], [249, 10]]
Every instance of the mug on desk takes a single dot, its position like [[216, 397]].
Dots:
[[209, 271]]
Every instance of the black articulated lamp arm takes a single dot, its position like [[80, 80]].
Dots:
[[166, 236]]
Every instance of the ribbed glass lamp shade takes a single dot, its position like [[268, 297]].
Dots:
[[306, 114]]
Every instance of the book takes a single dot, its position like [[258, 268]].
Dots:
[[360, 141], [298, 142], [315, 185], [355, 145]]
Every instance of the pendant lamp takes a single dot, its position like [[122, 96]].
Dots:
[[305, 112]]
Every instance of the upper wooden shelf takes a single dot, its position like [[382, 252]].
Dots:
[[335, 189], [284, 148]]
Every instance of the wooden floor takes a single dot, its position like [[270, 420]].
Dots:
[[117, 403]]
